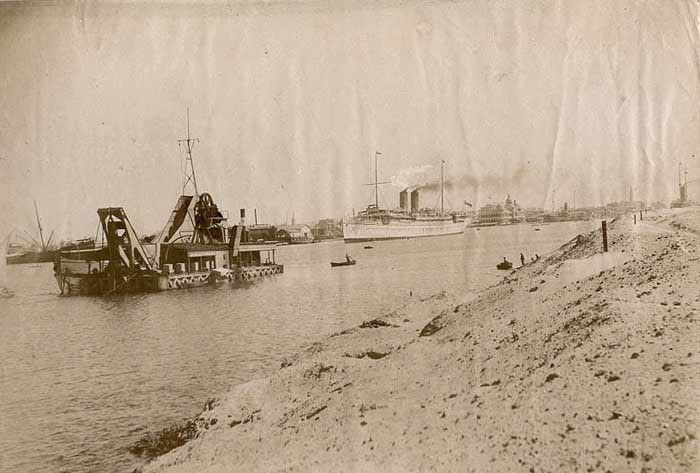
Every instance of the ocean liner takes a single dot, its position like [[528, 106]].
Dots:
[[408, 221]]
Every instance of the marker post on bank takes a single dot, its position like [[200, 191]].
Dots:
[[605, 236]]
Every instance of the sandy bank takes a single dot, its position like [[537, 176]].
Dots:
[[578, 362]]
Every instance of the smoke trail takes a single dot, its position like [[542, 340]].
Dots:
[[468, 181], [413, 177]]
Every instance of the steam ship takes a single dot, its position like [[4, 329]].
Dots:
[[41, 251], [376, 223]]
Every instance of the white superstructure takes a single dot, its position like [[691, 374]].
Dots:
[[408, 221], [360, 229]]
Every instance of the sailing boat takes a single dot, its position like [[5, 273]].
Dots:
[[410, 220], [42, 256], [4, 291]]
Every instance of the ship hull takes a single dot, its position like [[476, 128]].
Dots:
[[32, 257], [86, 284], [371, 231]]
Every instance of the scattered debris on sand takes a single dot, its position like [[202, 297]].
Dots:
[[594, 370]]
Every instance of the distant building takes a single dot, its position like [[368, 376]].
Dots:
[[533, 215], [326, 229], [513, 212], [566, 214], [491, 214], [295, 234], [617, 208], [580, 214], [262, 232], [497, 214]]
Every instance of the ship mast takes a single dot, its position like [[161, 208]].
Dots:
[[442, 185], [41, 230], [376, 180], [190, 175]]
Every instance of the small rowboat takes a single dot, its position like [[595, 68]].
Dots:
[[368, 247], [349, 262], [504, 265]]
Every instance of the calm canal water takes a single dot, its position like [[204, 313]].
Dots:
[[82, 378]]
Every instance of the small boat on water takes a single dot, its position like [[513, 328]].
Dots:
[[505, 264], [368, 247], [349, 261]]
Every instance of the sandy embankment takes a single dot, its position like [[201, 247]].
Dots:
[[578, 362]]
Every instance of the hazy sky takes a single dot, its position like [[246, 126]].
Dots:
[[539, 99]]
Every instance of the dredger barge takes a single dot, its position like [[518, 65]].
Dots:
[[212, 252], [197, 246]]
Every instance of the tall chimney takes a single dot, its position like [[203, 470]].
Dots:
[[414, 201], [242, 216], [403, 199]]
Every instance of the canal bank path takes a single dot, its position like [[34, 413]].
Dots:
[[580, 361]]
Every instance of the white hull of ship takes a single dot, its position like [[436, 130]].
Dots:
[[371, 231]]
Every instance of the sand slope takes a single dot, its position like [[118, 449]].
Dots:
[[578, 362]]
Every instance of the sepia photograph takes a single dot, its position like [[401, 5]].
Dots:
[[350, 236]]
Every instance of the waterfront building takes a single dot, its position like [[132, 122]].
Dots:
[[262, 232], [295, 234], [497, 214], [326, 229], [533, 215], [512, 211], [491, 214]]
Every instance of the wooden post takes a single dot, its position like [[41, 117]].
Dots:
[[635, 219], [605, 236], [641, 216]]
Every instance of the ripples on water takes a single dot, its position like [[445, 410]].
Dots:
[[82, 378]]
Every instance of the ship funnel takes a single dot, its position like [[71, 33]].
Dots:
[[403, 200], [414, 201]]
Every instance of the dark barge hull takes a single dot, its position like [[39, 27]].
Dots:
[[100, 284]]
